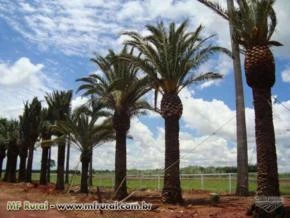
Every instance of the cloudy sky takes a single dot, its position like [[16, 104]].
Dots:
[[46, 45]]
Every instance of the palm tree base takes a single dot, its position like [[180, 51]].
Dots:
[[120, 195], [242, 191], [258, 212], [171, 196]]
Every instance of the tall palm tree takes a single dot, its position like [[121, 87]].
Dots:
[[120, 89], [29, 132], [242, 186], [12, 150], [45, 134], [254, 24], [23, 146], [60, 104], [85, 133], [3, 141], [170, 57]]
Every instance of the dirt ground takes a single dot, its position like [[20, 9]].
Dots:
[[197, 204]]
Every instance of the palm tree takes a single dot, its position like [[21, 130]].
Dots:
[[29, 132], [12, 151], [60, 104], [254, 24], [45, 134], [85, 133], [170, 58], [241, 131], [23, 146], [3, 141], [120, 89]]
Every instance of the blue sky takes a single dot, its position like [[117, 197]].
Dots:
[[46, 45]]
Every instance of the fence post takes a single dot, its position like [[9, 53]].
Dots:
[[201, 182], [158, 183], [230, 183], [140, 181], [101, 182], [112, 182]]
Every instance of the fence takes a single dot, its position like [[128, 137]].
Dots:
[[216, 182], [221, 182]]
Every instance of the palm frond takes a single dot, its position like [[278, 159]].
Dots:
[[216, 8]]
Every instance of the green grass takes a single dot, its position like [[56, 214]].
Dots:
[[217, 184]]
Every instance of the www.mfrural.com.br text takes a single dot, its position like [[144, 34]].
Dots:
[[43, 206]]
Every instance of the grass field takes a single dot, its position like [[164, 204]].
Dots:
[[219, 184]]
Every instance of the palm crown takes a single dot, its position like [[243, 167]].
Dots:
[[171, 56], [119, 87], [254, 21], [59, 103], [83, 129], [30, 122]]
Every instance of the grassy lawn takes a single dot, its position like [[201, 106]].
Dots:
[[219, 184]]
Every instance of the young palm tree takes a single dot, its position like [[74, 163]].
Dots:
[[12, 151], [242, 187], [29, 132], [170, 58], [60, 104], [85, 133], [120, 90], [3, 141]]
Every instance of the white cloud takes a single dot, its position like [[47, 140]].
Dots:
[[286, 75], [81, 27], [20, 71], [78, 101], [20, 82]]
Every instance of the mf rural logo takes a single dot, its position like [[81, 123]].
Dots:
[[268, 203]]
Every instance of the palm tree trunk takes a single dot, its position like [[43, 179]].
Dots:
[[91, 169], [44, 162], [60, 167], [8, 165], [267, 178], [22, 165], [2, 156], [29, 164], [1, 165], [48, 165], [120, 165], [241, 131], [12, 176], [171, 192], [67, 163], [12, 153], [84, 179]]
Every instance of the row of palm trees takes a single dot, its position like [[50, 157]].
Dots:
[[119, 89], [166, 61], [38, 124]]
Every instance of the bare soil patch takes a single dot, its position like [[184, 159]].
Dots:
[[197, 203]]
